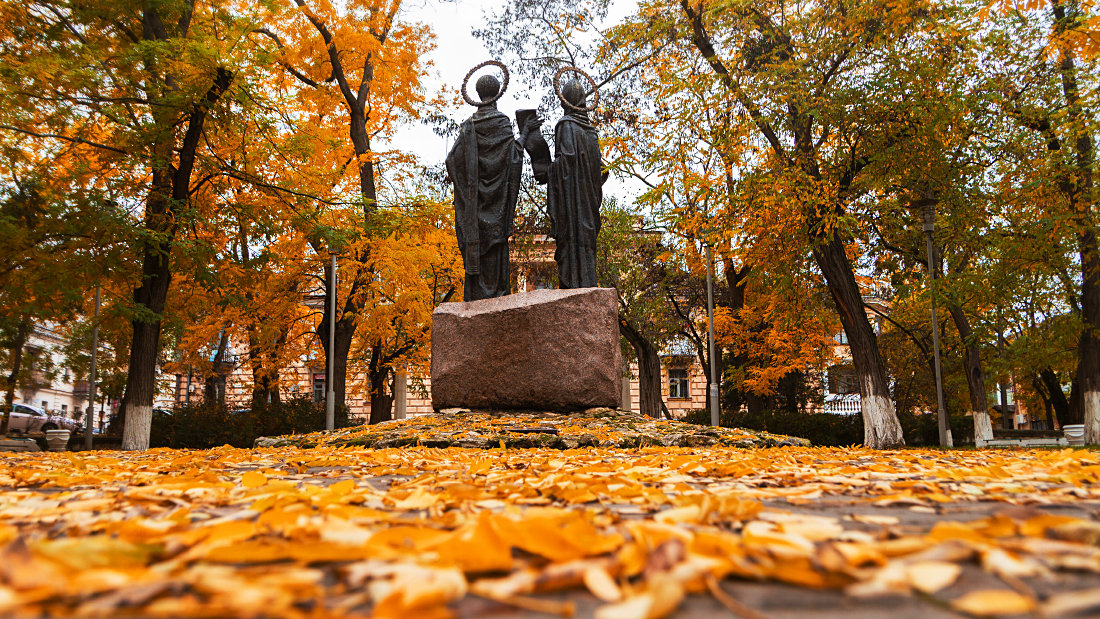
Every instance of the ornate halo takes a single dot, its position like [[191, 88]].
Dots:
[[595, 89], [503, 83]]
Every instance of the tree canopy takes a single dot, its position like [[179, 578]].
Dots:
[[203, 161]]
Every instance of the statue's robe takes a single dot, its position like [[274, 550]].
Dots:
[[485, 166], [574, 195]]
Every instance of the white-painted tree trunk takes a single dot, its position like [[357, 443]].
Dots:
[[135, 433], [1091, 401], [983, 428], [881, 429]]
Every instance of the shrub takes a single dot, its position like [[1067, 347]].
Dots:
[[827, 430], [203, 426]]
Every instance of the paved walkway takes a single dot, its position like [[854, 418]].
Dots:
[[405, 532]]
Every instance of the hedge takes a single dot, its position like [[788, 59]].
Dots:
[[828, 430], [203, 426]]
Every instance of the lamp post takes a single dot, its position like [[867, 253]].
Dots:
[[715, 418], [929, 216], [88, 424], [330, 391]]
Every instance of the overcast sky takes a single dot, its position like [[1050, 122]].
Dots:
[[456, 52]]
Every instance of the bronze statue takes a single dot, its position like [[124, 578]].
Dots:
[[485, 166], [574, 180]]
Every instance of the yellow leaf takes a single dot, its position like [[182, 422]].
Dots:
[[253, 479], [558, 536], [661, 598], [341, 488], [416, 588], [477, 548], [83, 553], [602, 585], [931, 576], [955, 530], [993, 603], [417, 499]]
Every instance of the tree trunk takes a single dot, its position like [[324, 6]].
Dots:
[[1078, 184], [17, 345], [733, 394], [881, 429], [754, 403], [137, 411], [214, 385], [358, 113], [265, 374], [149, 298], [1088, 347], [649, 370], [975, 377], [170, 190], [1075, 413], [1049, 387], [1052, 384], [345, 333], [381, 403]]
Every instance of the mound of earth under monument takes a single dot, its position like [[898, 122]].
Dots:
[[598, 427]]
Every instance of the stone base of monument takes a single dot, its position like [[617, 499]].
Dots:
[[548, 350]]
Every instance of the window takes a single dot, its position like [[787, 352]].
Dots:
[[841, 338], [64, 409], [318, 387], [842, 380], [678, 383], [45, 405]]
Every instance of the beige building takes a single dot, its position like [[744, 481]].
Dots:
[[49, 385]]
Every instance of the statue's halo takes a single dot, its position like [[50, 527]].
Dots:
[[503, 83], [595, 89]]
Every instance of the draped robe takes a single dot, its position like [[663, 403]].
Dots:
[[485, 166], [574, 195]]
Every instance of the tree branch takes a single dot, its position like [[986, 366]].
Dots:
[[66, 138]]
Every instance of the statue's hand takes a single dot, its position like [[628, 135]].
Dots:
[[531, 125]]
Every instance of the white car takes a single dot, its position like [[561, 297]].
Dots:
[[27, 419]]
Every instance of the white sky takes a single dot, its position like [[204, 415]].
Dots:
[[456, 52]]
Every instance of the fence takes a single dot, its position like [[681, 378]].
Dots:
[[847, 404]]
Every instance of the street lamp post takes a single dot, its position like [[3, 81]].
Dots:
[[715, 418], [330, 395], [88, 425], [929, 216]]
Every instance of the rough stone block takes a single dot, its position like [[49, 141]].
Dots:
[[544, 349]]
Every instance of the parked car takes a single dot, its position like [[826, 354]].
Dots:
[[26, 419]]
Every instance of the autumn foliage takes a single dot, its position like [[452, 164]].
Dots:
[[202, 162]]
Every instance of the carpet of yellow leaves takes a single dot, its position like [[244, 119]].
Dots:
[[327, 532]]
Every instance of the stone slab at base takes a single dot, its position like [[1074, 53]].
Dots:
[[550, 350]]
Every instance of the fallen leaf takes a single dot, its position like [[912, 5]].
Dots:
[[602, 585], [253, 479], [931, 576], [1071, 602], [993, 603], [659, 600]]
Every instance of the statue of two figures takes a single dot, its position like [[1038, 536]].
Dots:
[[485, 166]]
